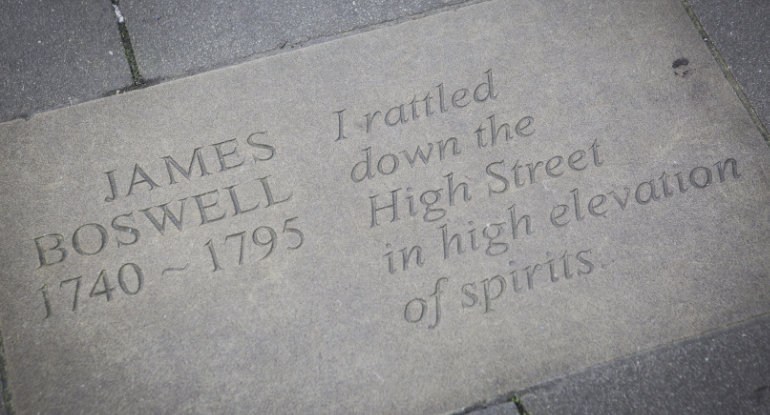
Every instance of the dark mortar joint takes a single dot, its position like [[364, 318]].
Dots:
[[500, 400], [125, 39]]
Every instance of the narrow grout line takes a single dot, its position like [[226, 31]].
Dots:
[[125, 38], [5, 393], [726, 71]]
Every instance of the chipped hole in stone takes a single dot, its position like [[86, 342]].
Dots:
[[681, 68]]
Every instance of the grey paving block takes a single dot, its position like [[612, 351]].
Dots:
[[178, 37], [741, 32], [726, 372], [55, 53]]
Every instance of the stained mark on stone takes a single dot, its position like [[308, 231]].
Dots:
[[680, 62], [184, 268], [681, 67]]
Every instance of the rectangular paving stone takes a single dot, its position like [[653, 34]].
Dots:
[[174, 38], [409, 220], [54, 54], [723, 372]]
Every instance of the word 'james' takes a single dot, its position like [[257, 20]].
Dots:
[[222, 156]]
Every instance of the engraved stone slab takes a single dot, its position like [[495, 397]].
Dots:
[[404, 221]]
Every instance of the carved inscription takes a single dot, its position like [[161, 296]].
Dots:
[[264, 237], [436, 201], [203, 208], [443, 205]]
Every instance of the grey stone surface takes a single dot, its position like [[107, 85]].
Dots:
[[730, 378], [740, 31], [177, 37], [727, 372], [323, 323], [54, 54]]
